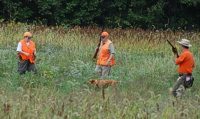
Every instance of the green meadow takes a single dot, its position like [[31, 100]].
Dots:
[[144, 68]]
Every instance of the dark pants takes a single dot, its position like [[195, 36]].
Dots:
[[25, 65]]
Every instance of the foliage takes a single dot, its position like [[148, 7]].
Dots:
[[154, 14]]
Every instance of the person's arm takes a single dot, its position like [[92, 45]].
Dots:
[[175, 57], [180, 59], [112, 52], [19, 49], [111, 56], [109, 59]]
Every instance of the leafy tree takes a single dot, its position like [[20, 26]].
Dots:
[[146, 14]]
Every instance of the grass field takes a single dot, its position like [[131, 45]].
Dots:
[[144, 67]]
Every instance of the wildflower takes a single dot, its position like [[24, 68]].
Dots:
[[50, 72]]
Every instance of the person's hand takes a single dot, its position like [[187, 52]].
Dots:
[[174, 50], [34, 53], [34, 56], [107, 63], [96, 49], [27, 54]]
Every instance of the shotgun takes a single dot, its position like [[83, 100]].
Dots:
[[97, 49], [173, 48]]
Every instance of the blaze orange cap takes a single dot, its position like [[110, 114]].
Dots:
[[27, 34], [104, 34]]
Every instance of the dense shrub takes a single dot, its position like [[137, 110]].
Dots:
[[154, 14]]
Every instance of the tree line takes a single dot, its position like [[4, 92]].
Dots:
[[146, 14]]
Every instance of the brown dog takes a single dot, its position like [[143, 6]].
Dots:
[[102, 84]]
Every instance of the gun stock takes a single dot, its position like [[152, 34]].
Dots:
[[34, 56], [19, 57], [95, 54]]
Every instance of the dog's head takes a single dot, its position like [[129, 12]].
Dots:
[[91, 81], [116, 82]]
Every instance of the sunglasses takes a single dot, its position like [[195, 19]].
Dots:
[[102, 37], [28, 37]]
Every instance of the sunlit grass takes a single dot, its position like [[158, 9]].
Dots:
[[145, 70]]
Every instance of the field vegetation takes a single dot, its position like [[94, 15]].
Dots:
[[144, 67]]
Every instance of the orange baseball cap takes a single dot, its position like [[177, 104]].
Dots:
[[27, 34], [104, 34]]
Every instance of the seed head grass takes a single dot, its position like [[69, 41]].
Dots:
[[144, 69]]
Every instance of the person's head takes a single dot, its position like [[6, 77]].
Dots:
[[184, 44], [27, 36], [104, 36]]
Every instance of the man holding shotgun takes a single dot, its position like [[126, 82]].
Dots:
[[105, 56], [27, 53], [185, 64]]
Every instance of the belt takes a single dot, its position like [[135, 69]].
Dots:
[[181, 74]]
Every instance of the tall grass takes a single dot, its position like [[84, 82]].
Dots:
[[145, 70]]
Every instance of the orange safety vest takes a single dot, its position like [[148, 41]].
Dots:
[[29, 50], [104, 55]]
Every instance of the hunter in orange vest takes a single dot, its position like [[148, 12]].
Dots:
[[105, 58], [27, 52]]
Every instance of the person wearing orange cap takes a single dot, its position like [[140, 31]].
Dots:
[[185, 64], [105, 57], [27, 52]]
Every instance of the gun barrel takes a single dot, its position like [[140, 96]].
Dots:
[[170, 43], [97, 50]]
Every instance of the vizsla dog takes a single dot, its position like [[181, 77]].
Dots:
[[102, 84]]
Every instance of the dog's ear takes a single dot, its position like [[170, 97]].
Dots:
[[91, 81]]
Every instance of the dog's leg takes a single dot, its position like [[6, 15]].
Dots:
[[103, 93], [114, 85]]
